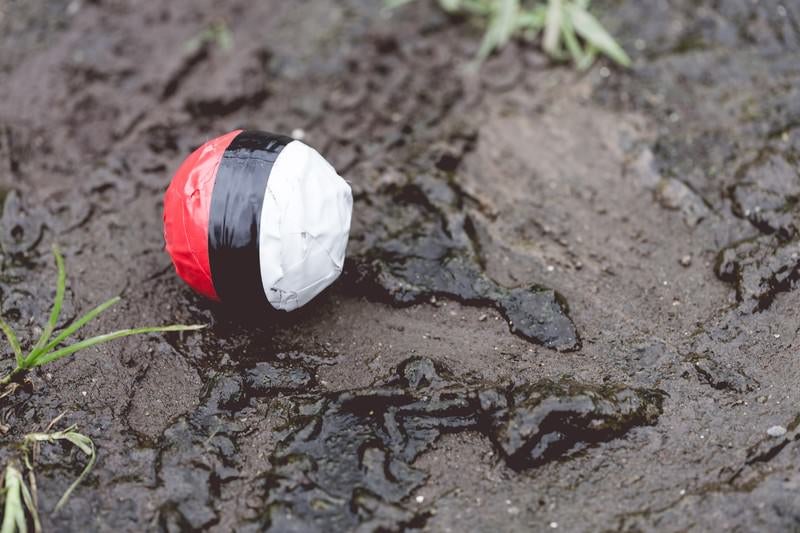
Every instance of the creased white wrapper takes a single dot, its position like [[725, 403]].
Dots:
[[305, 224]]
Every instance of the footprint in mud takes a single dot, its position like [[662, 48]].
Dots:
[[347, 459], [421, 246]]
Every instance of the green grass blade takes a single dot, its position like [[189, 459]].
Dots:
[[501, 27], [506, 20], [552, 29], [71, 349], [29, 503], [590, 54], [394, 4], [61, 285], [12, 341], [571, 40], [13, 509], [75, 326], [590, 29], [86, 446], [487, 45], [450, 6], [80, 440], [532, 19], [477, 7], [52, 437]]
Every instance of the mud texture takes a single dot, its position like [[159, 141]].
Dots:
[[348, 463], [426, 248], [570, 300]]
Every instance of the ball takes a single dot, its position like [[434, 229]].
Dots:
[[252, 217]]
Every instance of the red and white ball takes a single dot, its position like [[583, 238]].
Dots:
[[252, 217]]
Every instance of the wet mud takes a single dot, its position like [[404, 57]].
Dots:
[[427, 249], [348, 461], [569, 301]]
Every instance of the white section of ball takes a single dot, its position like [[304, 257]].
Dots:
[[305, 224]]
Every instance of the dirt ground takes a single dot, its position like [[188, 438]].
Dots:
[[568, 303]]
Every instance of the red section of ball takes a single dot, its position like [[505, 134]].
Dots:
[[186, 209]]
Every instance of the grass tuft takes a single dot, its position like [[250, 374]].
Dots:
[[19, 498], [17, 503], [46, 350], [81, 441], [568, 31]]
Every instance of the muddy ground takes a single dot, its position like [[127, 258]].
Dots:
[[569, 301]]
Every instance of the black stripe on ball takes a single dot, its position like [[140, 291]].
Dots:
[[235, 216]]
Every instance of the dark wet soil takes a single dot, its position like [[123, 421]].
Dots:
[[569, 301]]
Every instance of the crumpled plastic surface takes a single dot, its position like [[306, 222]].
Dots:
[[305, 223], [234, 223], [187, 203]]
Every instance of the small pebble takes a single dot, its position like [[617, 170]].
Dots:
[[686, 260], [482, 318], [73, 7], [554, 525], [420, 499], [776, 431]]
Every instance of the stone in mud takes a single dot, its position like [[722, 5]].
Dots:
[[759, 269], [776, 431], [766, 454], [347, 461], [676, 195], [423, 248]]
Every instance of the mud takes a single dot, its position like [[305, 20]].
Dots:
[[427, 248], [635, 387], [348, 462]]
